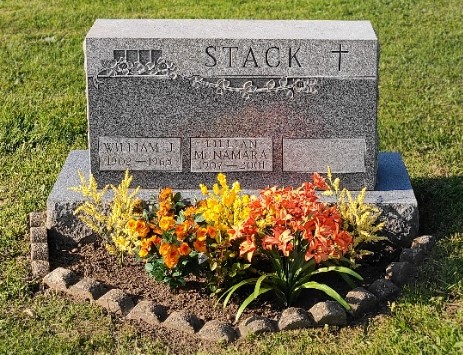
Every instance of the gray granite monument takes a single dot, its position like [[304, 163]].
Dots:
[[266, 102]]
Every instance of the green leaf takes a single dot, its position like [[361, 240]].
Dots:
[[199, 218], [177, 197], [248, 300], [328, 290], [348, 280], [214, 266], [258, 284], [149, 267], [227, 294], [341, 269]]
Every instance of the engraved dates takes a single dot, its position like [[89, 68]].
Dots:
[[231, 154], [152, 154]]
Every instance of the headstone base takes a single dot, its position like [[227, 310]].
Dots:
[[393, 195]]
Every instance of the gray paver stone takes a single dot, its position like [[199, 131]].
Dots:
[[328, 312], [116, 301], [37, 219], [401, 273], [60, 279], [88, 289], [361, 301], [216, 330], [183, 321], [384, 289], [148, 312], [294, 318], [40, 268], [426, 242], [257, 325], [412, 255], [39, 251], [38, 235]]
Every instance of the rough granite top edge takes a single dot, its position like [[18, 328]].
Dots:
[[233, 29], [393, 183]]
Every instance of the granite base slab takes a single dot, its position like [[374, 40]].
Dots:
[[393, 195]]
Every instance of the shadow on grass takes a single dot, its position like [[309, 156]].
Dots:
[[440, 202]]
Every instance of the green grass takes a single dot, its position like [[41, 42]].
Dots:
[[42, 117]]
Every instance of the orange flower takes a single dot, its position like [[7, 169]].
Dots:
[[184, 249], [142, 228], [319, 182], [165, 193], [172, 256], [247, 248], [164, 249], [200, 246], [189, 211], [166, 223], [282, 240], [201, 234], [211, 232]]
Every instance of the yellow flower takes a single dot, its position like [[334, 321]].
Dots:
[[221, 178], [143, 253], [166, 223], [132, 225], [203, 189]]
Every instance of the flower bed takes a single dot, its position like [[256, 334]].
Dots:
[[280, 242]]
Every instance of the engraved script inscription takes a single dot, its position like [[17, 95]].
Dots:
[[150, 154], [231, 154]]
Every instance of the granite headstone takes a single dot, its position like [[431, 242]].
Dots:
[[267, 102]]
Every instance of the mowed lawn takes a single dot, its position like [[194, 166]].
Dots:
[[42, 117]]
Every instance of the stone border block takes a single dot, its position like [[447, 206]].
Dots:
[[257, 325], [218, 331], [60, 279], [294, 318], [412, 255], [38, 235], [39, 251], [384, 289], [183, 321], [361, 301], [328, 312], [37, 219], [401, 272], [425, 242], [148, 312], [40, 268], [116, 301], [88, 289]]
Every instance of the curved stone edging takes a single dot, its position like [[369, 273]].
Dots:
[[117, 301]]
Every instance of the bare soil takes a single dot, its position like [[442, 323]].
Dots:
[[93, 261]]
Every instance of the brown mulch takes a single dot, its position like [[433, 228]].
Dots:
[[92, 260]]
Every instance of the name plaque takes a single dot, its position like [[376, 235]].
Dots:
[[152, 154], [231, 154], [316, 155]]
